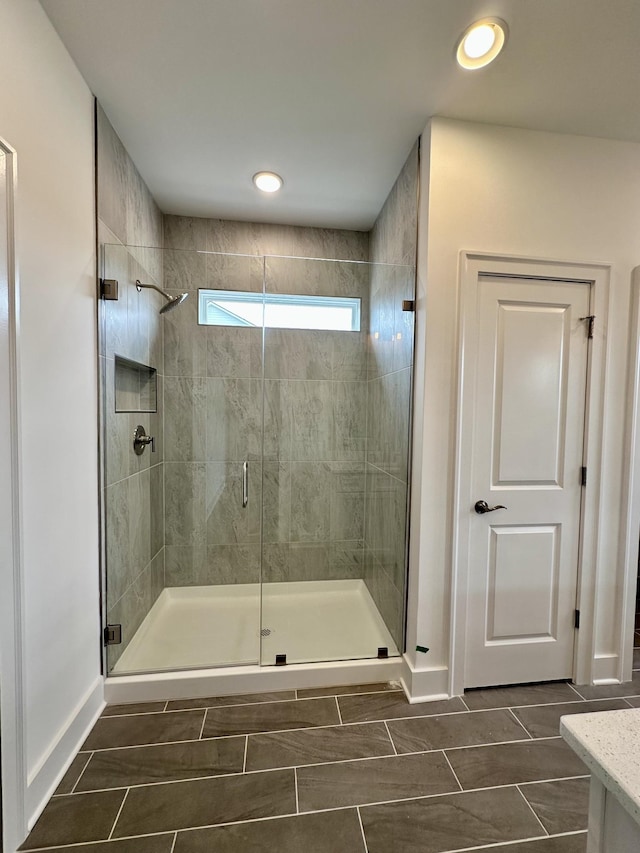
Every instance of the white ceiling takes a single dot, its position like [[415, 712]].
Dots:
[[331, 94]]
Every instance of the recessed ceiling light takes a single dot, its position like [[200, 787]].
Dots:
[[268, 182], [481, 43]]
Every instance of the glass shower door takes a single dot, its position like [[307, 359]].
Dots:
[[323, 591]]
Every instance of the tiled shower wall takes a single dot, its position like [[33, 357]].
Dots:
[[314, 418], [131, 328], [393, 241]]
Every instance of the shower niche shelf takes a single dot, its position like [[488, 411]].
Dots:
[[136, 386]]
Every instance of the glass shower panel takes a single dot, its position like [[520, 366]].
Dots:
[[320, 579], [389, 400], [181, 502], [130, 346]]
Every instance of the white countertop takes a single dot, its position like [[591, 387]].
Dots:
[[609, 744]]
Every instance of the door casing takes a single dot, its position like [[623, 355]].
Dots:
[[631, 486], [472, 265]]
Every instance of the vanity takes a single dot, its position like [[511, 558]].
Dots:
[[609, 744]]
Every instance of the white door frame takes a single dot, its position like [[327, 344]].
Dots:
[[14, 774], [631, 486], [472, 265]]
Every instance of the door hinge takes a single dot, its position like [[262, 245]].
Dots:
[[576, 618], [113, 635], [109, 288], [591, 318], [583, 476]]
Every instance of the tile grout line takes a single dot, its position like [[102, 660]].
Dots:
[[461, 698], [147, 745], [575, 690], [73, 790], [520, 723], [168, 710], [295, 784], [126, 794], [455, 775], [175, 841], [75, 845], [246, 748], [532, 810], [204, 720], [395, 751], [338, 707], [364, 838], [559, 779], [507, 844]]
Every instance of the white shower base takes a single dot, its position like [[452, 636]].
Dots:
[[220, 626]]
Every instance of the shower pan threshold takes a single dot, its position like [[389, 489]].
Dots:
[[210, 634]]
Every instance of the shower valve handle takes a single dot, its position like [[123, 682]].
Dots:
[[142, 440]]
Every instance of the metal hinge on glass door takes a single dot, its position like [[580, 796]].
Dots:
[[113, 635], [108, 288]]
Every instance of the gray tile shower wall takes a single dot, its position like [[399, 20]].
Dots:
[[389, 375], [260, 238], [129, 222], [125, 204], [314, 411]]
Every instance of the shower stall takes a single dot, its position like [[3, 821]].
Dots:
[[255, 416]]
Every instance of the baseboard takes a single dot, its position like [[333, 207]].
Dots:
[[48, 773], [606, 669], [424, 685]]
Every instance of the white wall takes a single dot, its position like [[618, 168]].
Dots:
[[540, 195], [46, 115]]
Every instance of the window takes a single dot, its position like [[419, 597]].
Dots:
[[278, 310]]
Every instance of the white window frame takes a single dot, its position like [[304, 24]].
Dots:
[[351, 302]]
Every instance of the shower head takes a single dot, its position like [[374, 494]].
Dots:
[[177, 300], [172, 301]]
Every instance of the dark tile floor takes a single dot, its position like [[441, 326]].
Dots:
[[337, 770]]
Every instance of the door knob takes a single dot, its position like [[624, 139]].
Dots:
[[482, 506]]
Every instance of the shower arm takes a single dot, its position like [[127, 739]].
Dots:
[[140, 285]]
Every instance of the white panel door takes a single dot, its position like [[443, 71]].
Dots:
[[531, 364]]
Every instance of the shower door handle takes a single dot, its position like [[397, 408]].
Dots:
[[245, 484]]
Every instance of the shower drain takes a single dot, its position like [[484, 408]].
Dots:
[[266, 632]]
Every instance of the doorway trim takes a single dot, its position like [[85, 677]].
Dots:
[[471, 266], [14, 772], [631, 486]]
